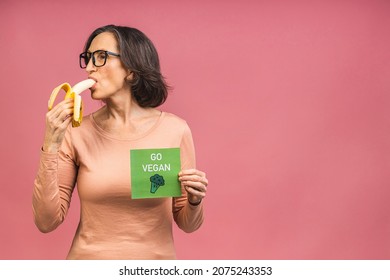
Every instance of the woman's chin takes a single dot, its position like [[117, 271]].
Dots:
[[95, 95]]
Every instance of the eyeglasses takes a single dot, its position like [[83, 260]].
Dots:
[[99, 58]]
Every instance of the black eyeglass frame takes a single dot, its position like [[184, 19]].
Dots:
[[84, 55]]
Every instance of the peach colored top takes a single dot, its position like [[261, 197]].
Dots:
[[112, 225]]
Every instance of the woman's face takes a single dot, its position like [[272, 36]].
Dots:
[[110, 78]]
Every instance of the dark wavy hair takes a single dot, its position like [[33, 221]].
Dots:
[[139, 55]]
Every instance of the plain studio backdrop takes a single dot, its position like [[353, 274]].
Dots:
[[288, 102]]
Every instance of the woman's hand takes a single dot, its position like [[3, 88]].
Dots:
[[195, 183], [57, 120]]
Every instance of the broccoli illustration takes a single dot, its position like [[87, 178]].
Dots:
[[156, 182]]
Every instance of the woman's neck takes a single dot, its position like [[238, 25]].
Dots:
[[126, 119]]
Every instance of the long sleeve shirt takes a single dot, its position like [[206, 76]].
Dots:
[[113, 225]]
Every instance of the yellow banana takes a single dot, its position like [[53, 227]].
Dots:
[[73, 93]]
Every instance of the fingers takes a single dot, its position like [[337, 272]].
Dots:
[[57, 120], [195, 183], [60, 113], [196, 193], [192, 172], [196, 177], [64, 104]]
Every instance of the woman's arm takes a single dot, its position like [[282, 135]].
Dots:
[[56, 176], [53, 188], [188, 208]]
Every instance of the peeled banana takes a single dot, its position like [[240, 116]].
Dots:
[[74, 93]]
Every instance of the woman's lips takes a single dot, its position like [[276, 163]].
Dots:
[[94, 86]]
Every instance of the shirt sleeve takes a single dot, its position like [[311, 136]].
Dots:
[[188, 217], [53, 186]]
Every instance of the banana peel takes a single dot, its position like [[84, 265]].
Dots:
[[74, 93]]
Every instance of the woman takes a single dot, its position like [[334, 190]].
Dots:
[[125, 66]]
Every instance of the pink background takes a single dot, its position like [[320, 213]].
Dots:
[[288, 102]]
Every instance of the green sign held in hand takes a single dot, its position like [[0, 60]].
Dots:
[[154, 173]]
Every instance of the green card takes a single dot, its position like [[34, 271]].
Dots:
[[154, 173]]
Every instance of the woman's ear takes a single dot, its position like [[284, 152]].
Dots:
[[129, 76]]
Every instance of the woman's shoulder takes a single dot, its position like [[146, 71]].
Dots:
[[174, 119]]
